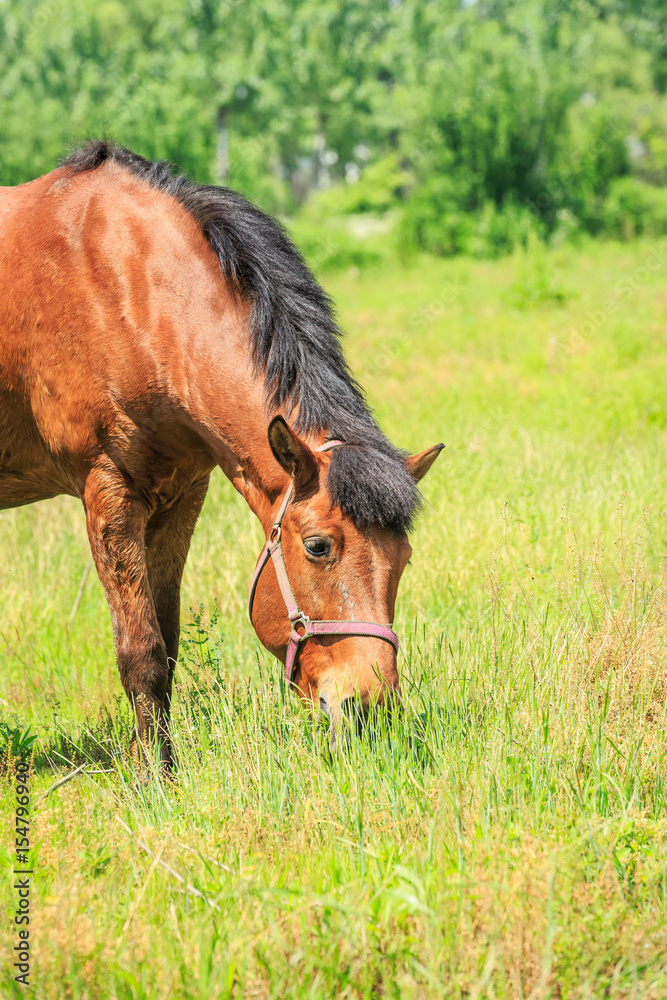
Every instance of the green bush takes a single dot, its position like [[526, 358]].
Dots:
[[333, 245], [378, 190], [499, 231], [634, 208], [436, 220]]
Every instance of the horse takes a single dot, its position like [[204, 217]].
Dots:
[[151, 330]]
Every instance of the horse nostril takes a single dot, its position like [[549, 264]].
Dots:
[[324, 706]]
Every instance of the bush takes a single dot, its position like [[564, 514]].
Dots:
[[502, 230], [634, 208], [378, 190], [352, 224], [436, 219], [333, 245]]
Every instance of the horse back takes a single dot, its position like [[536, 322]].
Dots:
[[103, 281]]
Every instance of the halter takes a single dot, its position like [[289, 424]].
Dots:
[[273, 550]]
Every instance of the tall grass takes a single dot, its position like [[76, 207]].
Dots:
[[505, 836]]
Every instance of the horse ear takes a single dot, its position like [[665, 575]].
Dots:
[[418, 465], [293, 454]]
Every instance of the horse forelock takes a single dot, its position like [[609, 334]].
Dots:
[[294, 339], [373, 488]]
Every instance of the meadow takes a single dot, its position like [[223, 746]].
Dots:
[[506, 837]]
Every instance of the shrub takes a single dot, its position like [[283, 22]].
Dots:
[[378, 190], [436, 219], [634, 208], [333, 245]]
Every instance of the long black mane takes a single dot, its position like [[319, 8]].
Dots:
[[294, 339]]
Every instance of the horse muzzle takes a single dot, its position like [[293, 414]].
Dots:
[[347, 703]]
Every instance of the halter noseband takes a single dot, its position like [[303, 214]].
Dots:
[[273, 549]]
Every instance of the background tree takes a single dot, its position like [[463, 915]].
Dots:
[[477, 124]]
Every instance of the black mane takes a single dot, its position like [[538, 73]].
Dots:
[[294, 339]]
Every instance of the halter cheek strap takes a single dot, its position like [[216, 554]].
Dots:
[[298, 620]]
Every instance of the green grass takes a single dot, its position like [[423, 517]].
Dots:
[[508, 836]]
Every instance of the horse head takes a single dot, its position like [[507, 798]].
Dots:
[[323, 596]]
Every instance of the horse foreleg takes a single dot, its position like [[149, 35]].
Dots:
[[168, 536], [116, 519]]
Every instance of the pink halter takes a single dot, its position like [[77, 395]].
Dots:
[[297, 619]]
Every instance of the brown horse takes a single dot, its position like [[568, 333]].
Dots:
[[152, 329]]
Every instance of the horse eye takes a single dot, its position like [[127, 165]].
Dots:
[[317, 546]]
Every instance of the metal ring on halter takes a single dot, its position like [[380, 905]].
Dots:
[[273, 550]]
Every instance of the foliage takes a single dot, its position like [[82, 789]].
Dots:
[[483, 122], [343, 242], [376, 191], [633, 208], [434, 221]]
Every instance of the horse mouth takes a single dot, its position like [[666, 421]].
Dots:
[[354, 715]]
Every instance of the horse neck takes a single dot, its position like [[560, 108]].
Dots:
[[228, 404]]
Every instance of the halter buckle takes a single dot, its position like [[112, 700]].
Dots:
[[297, 618], [276, 532]]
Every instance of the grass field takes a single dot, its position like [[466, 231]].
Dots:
[[507, 837]]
